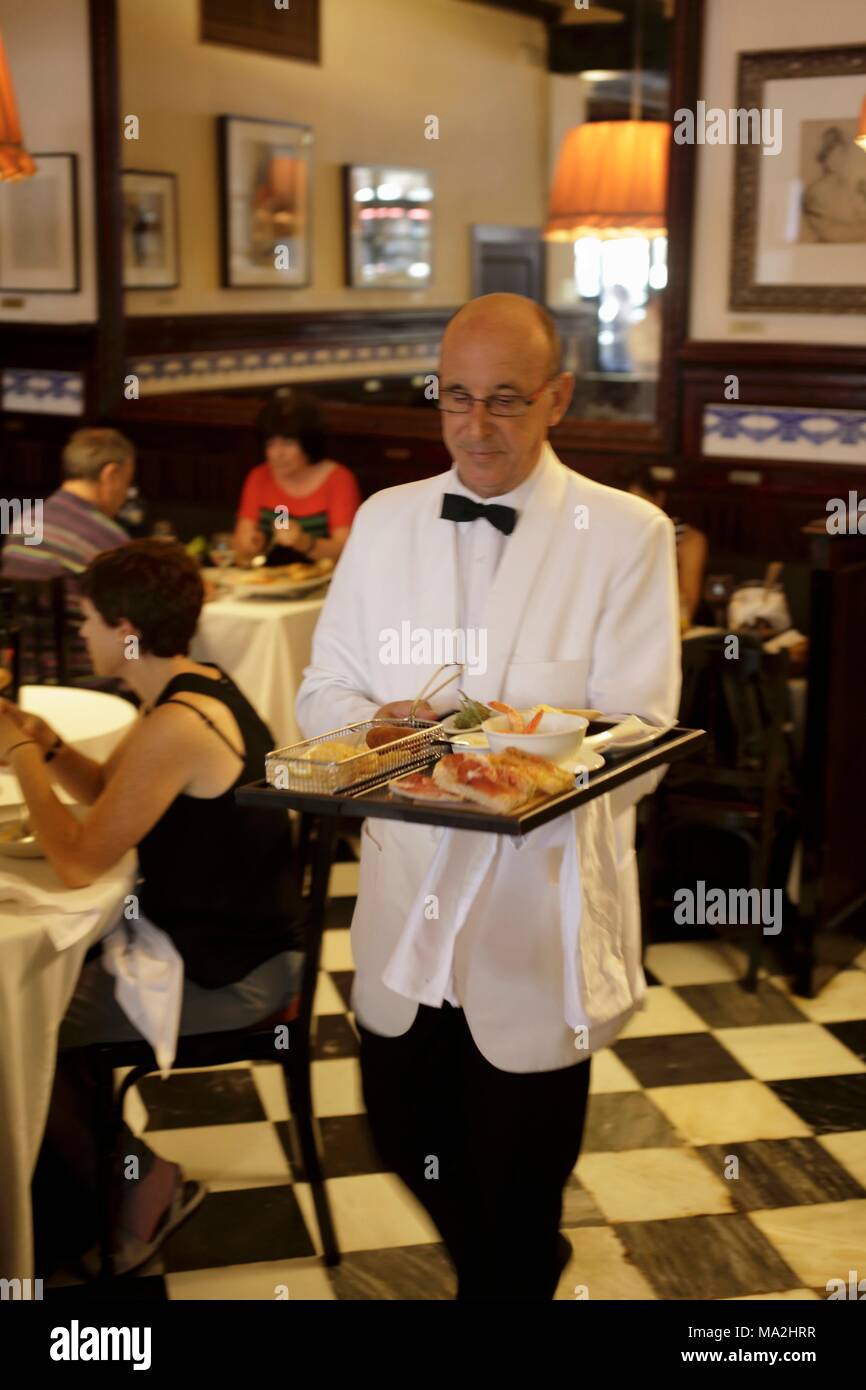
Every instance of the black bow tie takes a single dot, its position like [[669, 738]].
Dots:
[[456, 507]]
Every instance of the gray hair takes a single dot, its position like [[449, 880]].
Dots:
[[88, 451]]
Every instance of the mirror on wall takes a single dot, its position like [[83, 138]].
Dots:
[[606, 239], [389, 227]]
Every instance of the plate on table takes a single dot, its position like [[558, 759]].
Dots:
[[16, 839], [17, 842], [451, 730], [282, 588]]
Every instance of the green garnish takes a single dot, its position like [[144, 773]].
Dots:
[[472, 712]]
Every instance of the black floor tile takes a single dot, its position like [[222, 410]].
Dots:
[[852, 1034], [348, 1147], [335, 1037], [201, 1098], [698, 1257], [679, 1059], [731, 1006], [243, 1227], [827, 1104], [343, 981], [409, 1272], [626, 1120], [782, 1173], [338, 914]]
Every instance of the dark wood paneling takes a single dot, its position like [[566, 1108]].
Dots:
[[149, 335], [104, 376]]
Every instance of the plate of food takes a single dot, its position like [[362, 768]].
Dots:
[[500, 782], [18, 841], [469, 717], [281, 581]]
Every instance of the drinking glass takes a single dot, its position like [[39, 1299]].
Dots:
[[222, 550]]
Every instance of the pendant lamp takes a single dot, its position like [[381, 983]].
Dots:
[[15, 162], [611, 176]]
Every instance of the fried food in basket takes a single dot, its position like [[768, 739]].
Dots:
[[333, 751], [386, 733]]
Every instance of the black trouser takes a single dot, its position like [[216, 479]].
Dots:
[[502, 1144]]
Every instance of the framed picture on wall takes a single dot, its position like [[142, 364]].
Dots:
[[266, 203], [151, 255], [39, 238], [388, 226], [799, 233]]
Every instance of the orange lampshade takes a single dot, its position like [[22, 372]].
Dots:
[[15, 162], [860, 137], [611, 180]]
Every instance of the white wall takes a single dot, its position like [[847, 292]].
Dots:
[[732, 27], [47, 48], [386, 65]]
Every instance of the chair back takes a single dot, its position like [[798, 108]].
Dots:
[[740, 696], [36, 611]]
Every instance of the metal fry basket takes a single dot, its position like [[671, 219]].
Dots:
[[293, 769]]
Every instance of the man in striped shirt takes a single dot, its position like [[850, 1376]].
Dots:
[[77, 523]]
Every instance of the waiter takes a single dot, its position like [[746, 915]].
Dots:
[[489, 969]]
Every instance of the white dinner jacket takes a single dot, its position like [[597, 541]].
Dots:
[[583, 611]]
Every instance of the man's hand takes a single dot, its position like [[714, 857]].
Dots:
[[399, 709]]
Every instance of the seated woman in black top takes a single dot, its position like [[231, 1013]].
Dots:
[[215, 877]]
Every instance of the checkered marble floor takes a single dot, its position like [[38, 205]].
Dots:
[[724, 1155]]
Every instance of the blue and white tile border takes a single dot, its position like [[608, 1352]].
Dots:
[[41, 392], [204, 371], [801, 433]]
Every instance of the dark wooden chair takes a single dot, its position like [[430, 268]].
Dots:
[[739, 781], [37, 611], [258, 1043]]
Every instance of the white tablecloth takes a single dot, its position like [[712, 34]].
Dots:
[[264, 645], [92, 721], [37, 982]]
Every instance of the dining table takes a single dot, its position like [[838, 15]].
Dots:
[[46, 931], [263, 644]]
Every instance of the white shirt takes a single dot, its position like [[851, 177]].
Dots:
[[480, 547]]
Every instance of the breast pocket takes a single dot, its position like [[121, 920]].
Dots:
[[547, 682]]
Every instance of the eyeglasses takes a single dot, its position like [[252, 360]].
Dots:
[[453, 401]]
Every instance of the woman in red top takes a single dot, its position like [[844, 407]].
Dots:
[[301, 500]]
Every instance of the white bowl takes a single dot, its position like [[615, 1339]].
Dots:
[[558, 738]]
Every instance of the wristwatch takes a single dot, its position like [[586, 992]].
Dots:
[[53, 750]]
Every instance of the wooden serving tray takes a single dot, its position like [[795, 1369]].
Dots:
[[374, 799]]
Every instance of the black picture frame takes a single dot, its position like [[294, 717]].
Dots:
[[73, 240], [173, 280], [236, 270], [796, 295]]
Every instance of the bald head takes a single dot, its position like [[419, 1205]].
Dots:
[[501, 388], [512, 318]]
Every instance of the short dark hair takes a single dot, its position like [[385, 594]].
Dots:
[[154, 584], [291, 414]]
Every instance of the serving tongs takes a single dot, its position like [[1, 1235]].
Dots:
[[425, 693]]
